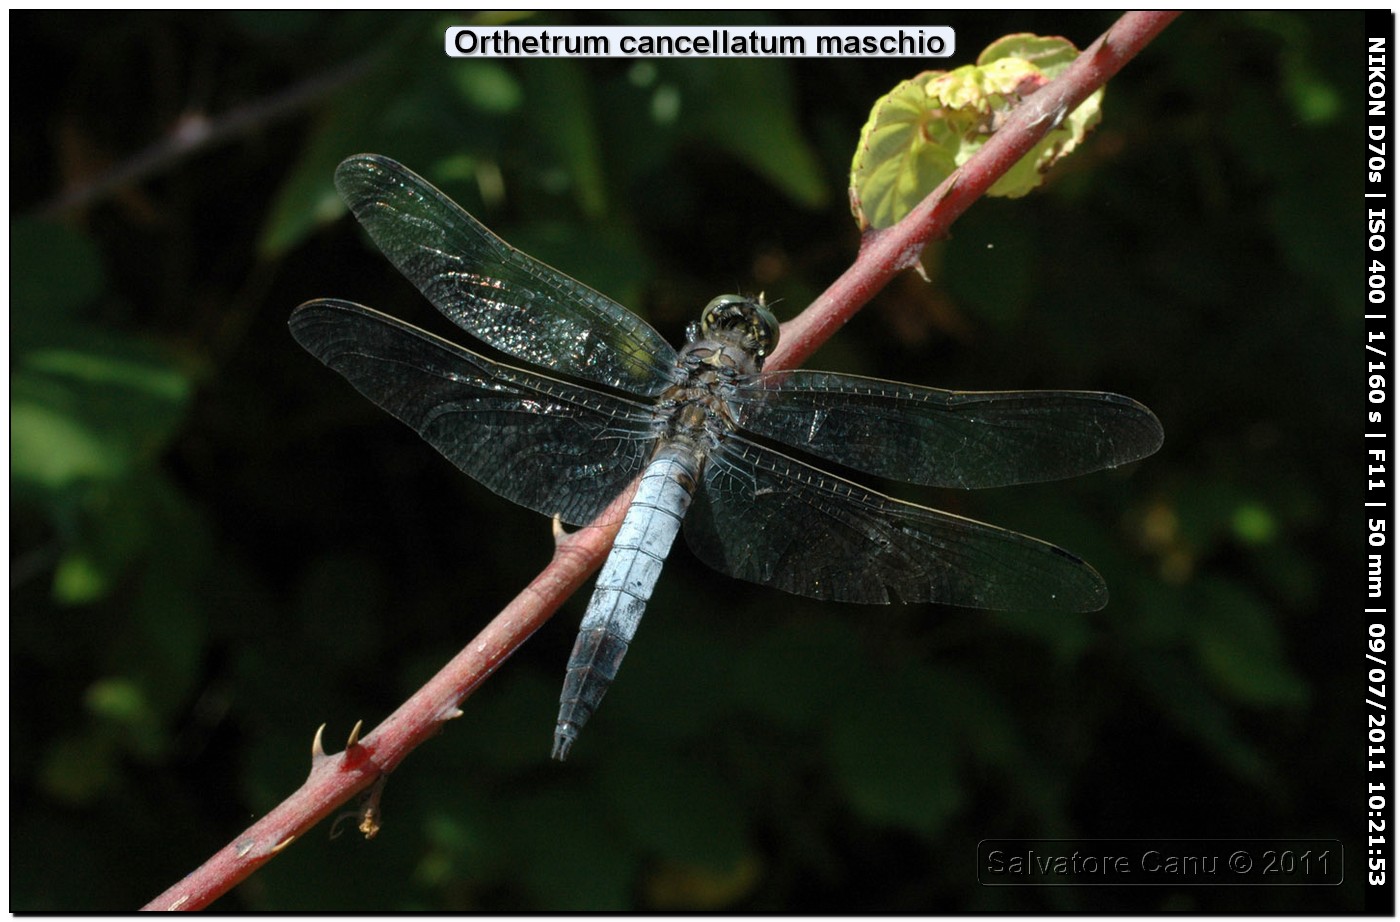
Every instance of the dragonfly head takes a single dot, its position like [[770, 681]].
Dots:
[[747, 321]]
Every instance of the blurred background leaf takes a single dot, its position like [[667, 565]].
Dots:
[[217, 545]]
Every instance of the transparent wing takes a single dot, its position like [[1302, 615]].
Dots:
[[495, 292], [944, 438], [770, 519], [551, 446]]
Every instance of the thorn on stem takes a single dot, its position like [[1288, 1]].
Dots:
[[354, 736], [556, 528], [318, 752]]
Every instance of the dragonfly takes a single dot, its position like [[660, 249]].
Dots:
[[595, 399]]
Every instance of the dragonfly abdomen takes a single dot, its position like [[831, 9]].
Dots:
[[624, 587]]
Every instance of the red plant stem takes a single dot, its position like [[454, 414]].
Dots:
[[335, 779]]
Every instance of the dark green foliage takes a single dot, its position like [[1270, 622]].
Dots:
[[217, 545]]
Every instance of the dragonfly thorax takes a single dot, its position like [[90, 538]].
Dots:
[[695, 410]]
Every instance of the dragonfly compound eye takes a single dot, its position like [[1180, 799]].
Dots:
[[748, 317]]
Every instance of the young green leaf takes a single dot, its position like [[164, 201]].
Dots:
[[929, 126]]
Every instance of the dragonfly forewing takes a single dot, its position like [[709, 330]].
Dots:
[[509, 300], [964, 439]]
